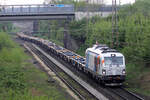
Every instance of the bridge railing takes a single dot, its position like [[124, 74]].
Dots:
[[36, 9]]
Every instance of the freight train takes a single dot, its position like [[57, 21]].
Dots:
[[104, 64]]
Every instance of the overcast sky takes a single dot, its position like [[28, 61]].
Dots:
[[14, 2]]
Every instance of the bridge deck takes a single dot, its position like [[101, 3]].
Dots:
[[30, 12]]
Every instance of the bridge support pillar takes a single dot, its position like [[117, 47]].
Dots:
[[66, 35], [68, 43], [49, 29], [35, 26], [4, 28]]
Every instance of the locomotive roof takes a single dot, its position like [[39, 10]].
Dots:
[[101, 48]]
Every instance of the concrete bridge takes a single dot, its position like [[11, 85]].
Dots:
[[37, 12], [51, 12]]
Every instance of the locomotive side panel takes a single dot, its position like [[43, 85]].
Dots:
[[93, 62]]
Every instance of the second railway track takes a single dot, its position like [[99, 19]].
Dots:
[[124, 94]]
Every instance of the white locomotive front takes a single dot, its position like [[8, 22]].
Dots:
[[108, 64]]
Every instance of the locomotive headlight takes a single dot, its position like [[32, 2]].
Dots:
[[103, 72], [123, 71]]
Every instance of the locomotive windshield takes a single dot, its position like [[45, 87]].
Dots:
[[113, 60]]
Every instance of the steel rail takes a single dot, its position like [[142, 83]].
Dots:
[[135, 95], [125, 94]]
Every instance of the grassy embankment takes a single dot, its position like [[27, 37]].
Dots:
[[20, 79]]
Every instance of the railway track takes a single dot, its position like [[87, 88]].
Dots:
[[117, 93], [133, 94], [111, 93], [72, 84], [125, 94]]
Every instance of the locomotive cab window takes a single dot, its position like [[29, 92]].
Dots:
[[113, 60]]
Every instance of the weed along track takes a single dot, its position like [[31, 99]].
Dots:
[[82, 93]]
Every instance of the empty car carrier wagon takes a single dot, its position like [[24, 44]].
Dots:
[[104, 64]]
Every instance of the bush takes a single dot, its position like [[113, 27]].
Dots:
[[5, 41]]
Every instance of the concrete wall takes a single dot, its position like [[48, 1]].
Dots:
[[80, 15]]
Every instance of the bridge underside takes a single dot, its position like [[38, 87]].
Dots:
[[37, 17]]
